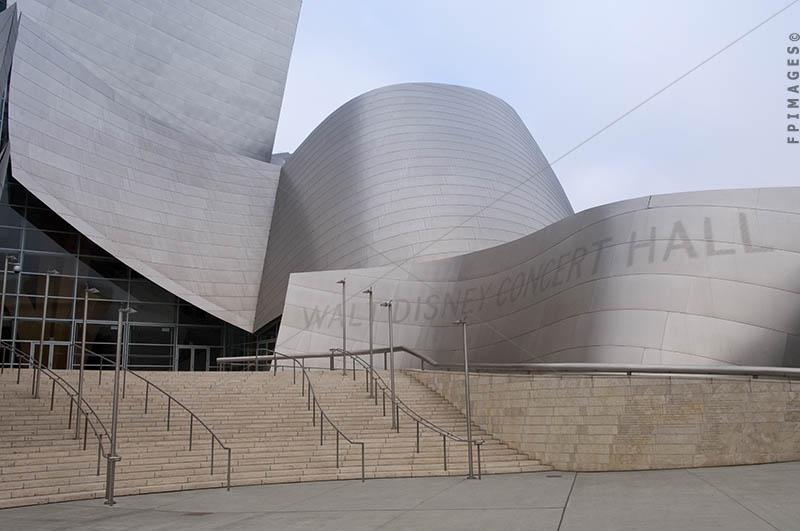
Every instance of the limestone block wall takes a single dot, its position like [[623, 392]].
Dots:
[[584, 423]]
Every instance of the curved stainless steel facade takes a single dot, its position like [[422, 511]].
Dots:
[[170, 205], [215, 70], [694, 278], [418, 169]]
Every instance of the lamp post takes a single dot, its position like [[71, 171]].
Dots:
[[13, 260], [343, 282], [86, 293], [368, 291], [463, 324], [37, 375], [388, 305], [113, 457]]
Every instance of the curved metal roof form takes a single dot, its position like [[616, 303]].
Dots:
[[417, 170], [148, 126]]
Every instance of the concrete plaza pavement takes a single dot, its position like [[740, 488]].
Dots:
[[751, 498]]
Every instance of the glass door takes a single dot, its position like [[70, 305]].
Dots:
[[56, 353], [192, 358]]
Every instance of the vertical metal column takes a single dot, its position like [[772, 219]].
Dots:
[[343, 282], [463, 324], [388, 305], [8, 259], [86, 293], [371, 366], [38, 368]]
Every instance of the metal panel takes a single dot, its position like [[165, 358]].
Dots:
[[214, 70], [171, 206], [401, 172], [696, 278]]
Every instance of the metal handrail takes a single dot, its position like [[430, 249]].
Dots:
[[312, 402], [72, 393], [170, 399], [754, 371], [402, 406]]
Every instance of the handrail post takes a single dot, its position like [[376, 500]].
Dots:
[[320, 424], [313, 413], [479, 459], [69, 423], [85, 430], [212, 453], [146, 396], [371, 377], [397, 418], [362, 462], [169, 409], [52, 398], [337, 448], [191, 422], [229, 469], [384, 401], [417, 436], [444, 451]]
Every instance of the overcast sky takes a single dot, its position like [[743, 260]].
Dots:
[[569, 68]]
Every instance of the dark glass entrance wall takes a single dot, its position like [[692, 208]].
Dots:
[[165, 332]]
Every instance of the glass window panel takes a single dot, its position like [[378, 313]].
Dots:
[[11, 280], [89, 248], [14, 194], [196, 335], [8, 307], [56, 242], [114, 289], [150, 357], [98, 310], [45, 219], [10, 238], [151, 334], [102, 267], [58, 308], [35, 285], [97, 333], [42, 263], [188, 314], [11, 216], [28, 329], [146, 291], [153, 313]]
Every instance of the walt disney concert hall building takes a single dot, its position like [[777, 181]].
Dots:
[[137, 159]]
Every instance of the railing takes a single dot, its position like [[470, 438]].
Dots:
[[790, 373], [90, 417], [371, 374], [313, 405], [170, 400]]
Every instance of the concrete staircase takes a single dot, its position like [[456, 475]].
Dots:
[[261, 416]]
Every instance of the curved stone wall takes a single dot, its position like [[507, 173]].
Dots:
[[401, 172], [691, 278]]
